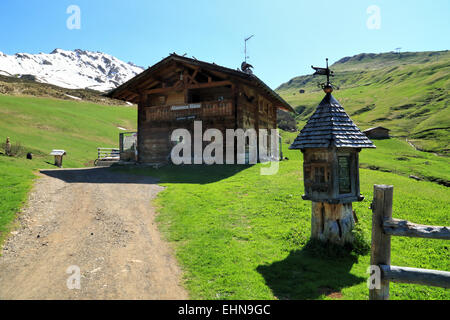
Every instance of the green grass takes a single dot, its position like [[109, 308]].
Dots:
[[408, 95], [42, 124], [397, 156], [240, 235], [237, 234], [15, 182]]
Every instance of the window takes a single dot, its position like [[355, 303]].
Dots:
[[319, 174], [345, 185]]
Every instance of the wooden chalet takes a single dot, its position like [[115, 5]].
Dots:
[[177, 91]]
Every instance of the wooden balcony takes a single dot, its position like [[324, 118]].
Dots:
[[190, 111]]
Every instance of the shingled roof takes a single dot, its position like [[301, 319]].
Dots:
[[231, 73], [331, 126]]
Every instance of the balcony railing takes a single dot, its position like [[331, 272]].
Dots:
[[190, 111]]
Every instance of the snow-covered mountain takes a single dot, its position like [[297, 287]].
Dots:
[[76, 69]]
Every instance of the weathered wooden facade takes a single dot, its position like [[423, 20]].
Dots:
[[178, 91]]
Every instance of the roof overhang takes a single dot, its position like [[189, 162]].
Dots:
[[132, 90]]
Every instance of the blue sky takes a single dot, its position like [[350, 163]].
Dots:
[[290, 35]]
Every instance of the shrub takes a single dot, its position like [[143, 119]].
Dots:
[[361, 242], [17, 150], [286, 121]]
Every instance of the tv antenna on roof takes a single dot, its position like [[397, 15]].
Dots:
[[246, 67], [245, 50]]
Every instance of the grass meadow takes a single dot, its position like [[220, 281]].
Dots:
[[238, 234]]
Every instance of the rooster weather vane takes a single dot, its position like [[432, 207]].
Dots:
[[328, 86]]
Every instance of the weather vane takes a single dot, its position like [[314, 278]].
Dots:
[[327, 87]]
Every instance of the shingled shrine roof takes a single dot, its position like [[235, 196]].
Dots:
[[330, 126]]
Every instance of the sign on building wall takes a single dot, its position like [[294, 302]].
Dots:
[[186, 107]]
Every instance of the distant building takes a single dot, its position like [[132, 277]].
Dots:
[[377, 133]]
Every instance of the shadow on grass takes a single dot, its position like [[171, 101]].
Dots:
[[197, 174], [310, 273]]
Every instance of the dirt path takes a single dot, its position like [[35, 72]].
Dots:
[[100, 221]]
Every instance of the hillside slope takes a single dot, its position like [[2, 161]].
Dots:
[[25, 87], [41, 124], [407, 93]]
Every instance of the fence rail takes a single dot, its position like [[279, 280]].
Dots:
[[434, 278], [403, 228], [383, 227]]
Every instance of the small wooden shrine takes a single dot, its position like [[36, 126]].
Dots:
[[330, 143]]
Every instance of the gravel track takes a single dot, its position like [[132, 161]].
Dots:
[[99, 220]]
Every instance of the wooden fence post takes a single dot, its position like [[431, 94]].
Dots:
[[121, 135], [381, 243]]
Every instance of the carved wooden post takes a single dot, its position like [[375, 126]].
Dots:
[[381, 242], [332, 222], [58, 161]]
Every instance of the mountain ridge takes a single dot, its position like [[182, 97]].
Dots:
[[77, 69], [373, 61]]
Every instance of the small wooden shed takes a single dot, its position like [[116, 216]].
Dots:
[[377, 133], [178, 90]]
